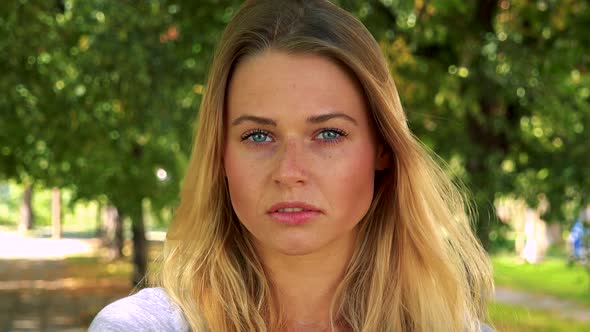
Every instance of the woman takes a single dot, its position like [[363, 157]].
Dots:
[[308, 205]]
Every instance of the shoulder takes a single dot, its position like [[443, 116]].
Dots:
[[485, 328], [148, 310]]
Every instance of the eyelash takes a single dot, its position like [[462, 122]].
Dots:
[[342, 134]]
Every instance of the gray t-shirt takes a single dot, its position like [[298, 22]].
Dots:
[[149, 310]]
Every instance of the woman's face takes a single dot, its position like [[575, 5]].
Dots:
[[300, 153]]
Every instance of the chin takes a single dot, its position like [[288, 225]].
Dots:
[[296, 251], [295, 247]]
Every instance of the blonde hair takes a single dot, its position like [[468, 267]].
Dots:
[[417, 265]]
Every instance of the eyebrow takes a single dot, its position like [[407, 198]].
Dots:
[[325, 117], [253, 118], [312, 119]]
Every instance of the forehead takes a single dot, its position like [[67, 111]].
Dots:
[[279, 83]]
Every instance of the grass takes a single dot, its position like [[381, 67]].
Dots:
[[88, 267], [552, 277], [510, 318]]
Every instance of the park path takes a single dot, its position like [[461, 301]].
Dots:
[[36, 294], [566, 309]]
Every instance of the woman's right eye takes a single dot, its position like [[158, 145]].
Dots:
[[257, 136]]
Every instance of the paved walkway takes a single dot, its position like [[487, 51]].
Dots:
[[15, 246], [36, 294]]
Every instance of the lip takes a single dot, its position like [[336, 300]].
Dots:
[[293, 218]]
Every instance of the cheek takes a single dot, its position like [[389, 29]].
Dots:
[[242, 179], [351, 183]]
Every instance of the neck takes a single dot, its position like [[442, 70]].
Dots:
[[305, 285]]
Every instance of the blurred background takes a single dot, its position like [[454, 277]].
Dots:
[[96, 119]]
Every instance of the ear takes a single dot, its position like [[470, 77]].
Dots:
[[382, 157]]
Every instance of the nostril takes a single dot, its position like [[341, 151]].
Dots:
[[290, 168]]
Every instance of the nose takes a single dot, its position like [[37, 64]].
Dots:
[[290, 170]]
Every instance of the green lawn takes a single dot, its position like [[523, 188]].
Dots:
[[509, 318], [551, 277]]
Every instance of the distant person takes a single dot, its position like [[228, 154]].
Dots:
[[308, 204], [578, 239]]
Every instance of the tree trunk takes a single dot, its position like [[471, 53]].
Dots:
[[113, 232], [139, 246], [99, 223], [481, 175], [56, 213], [27, 217], [486, 219]]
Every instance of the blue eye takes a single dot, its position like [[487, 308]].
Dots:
[[257, 136], [330, 134]]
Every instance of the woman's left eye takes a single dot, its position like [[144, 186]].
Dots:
[[330, 134]]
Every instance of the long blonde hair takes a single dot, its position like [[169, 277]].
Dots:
[[417, 265]]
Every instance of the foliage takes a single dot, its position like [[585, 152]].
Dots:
[[99, 95], [500, 89], [102, 94]]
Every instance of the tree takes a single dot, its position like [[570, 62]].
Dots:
[[99, 97], [27, 216], [102, 96], [499, 89], [56, 231]]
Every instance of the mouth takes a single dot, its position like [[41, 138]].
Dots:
[[293, 213], [293, 207], [291, 210]]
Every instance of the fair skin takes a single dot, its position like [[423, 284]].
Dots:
[[300, 159]]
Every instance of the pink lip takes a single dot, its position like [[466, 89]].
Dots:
[[293, 218]]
